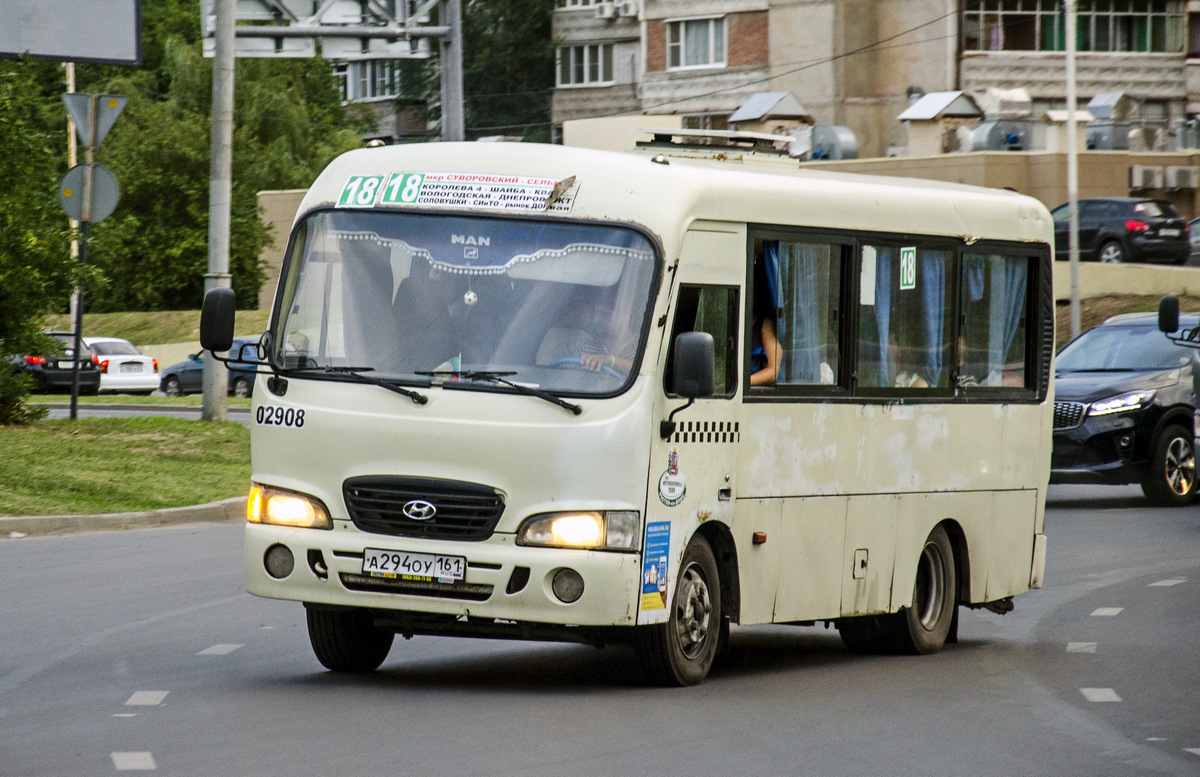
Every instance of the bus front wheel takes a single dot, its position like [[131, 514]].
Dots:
[[347, 640], [681, 651]]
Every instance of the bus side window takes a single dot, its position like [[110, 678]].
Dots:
[[803, 283], [711, 309], [994, 299]]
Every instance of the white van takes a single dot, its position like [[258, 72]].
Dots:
[[535, 392]]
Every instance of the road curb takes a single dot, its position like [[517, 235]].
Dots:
[[224, 511]]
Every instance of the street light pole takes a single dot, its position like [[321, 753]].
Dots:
[[220, 188], [1072, 169]]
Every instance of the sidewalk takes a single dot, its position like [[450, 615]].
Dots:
[[225, 511]]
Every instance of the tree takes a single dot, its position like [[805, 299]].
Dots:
[[35, 268]]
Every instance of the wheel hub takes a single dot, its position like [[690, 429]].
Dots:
[[693, 609]]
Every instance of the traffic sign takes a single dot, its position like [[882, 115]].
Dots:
[[104, 190], [91, 126]]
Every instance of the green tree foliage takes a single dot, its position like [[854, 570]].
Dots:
[[35, 268], [508, 68]]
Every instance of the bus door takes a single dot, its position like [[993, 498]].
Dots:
[[692, 470]]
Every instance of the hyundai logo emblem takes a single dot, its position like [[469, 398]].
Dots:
[[419, 510]]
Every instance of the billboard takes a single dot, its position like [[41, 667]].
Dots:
[[105, 31]]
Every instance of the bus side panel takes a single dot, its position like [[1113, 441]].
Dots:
[[759, 565], [869, 552], [811, 536]]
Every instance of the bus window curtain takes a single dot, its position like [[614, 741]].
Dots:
[[883, 311], [1008, 277], [799, 333], [933, 300]]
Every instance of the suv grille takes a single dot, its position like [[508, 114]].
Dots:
[[462, 511], [1068, 415]]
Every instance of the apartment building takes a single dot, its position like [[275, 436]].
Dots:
[[860, 63]]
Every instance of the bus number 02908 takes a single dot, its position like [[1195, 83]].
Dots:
[[269, 415]]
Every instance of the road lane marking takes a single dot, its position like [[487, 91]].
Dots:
[[128, 762], [1099, 694], [1081, 647], [146, 699], [1167, 583], [124, 714], [1107, 612], [220, 650], [1192, 750]]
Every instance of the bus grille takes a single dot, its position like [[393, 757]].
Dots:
[[1068, 415], [461, 511]]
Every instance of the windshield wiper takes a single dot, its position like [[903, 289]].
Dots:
[[359, 374], [499, 377]]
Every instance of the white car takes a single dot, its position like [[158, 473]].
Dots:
[[123, 368]]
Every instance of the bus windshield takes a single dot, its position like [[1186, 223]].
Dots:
[[414, 297]]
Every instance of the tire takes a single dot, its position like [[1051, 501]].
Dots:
[[172, 387], [924, 625], [1170, 479], [347, 640], [681, 651], [241, 387], [1110, 252]]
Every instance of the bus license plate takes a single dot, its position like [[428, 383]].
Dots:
[[422, 566]]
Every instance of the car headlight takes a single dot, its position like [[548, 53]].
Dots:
[[285, 508], [593, 529], [1133, 400]]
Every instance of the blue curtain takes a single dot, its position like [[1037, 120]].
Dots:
[[1008, 303], [883, 311], [933, 302], [799, 328]]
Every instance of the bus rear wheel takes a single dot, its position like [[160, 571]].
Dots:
[[681, 651], [347, 640], [922, 627]]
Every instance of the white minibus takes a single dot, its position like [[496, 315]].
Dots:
[[534, 392]]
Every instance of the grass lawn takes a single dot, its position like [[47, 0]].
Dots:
[[112, 465], [164, 326], [191, 400]]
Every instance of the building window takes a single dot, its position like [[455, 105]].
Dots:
[[586, 65], [696, 43], [368, 79], [1102, 25], [574, 3]]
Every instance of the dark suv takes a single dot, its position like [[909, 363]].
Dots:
[[1124, 405], [54, 372], [1124, 229]]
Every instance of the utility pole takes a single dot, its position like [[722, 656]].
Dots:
[[1072, 170], [450, 62], [220, 193]]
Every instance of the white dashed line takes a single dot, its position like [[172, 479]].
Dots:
[[124, 714], [146, 698], [127, 762], [1099, 694], [1081, 647], [1168, 583], [1107, 612], [220, 650], [1192, 750]]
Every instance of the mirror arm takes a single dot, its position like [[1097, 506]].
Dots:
[[667, 428]]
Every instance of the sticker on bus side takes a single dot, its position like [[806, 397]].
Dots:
[[654, 566], [460, 190]]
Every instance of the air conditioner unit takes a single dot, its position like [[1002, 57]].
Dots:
[[1182, 177], [606, 10], [628, 8], [1145, 177]]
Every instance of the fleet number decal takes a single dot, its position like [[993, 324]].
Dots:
[[270, 415]]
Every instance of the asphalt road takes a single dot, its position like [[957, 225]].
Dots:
[[139, 651]]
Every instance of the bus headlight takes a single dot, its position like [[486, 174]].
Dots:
[[593, 529], [1121, 403], [285, 508]]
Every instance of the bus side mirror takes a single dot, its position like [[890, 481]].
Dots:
[[694, 358], [216, 320], [1168, 314]]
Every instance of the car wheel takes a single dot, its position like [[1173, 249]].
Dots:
[[1170, 479], [241, 387], [347, 640], [682, 650], [1111, 252], [172, 388]]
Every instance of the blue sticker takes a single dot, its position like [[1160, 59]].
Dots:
[[654, 566]]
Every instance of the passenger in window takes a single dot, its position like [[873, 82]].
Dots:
[[906, 376], [765, 351]]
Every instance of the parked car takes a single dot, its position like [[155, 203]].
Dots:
[[187, 377], [1194, 235], [54, 372], [1124, 229], [1124, 399], [123, 368]]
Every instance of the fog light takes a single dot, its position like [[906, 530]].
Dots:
[[279, 562], [567, 585]]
